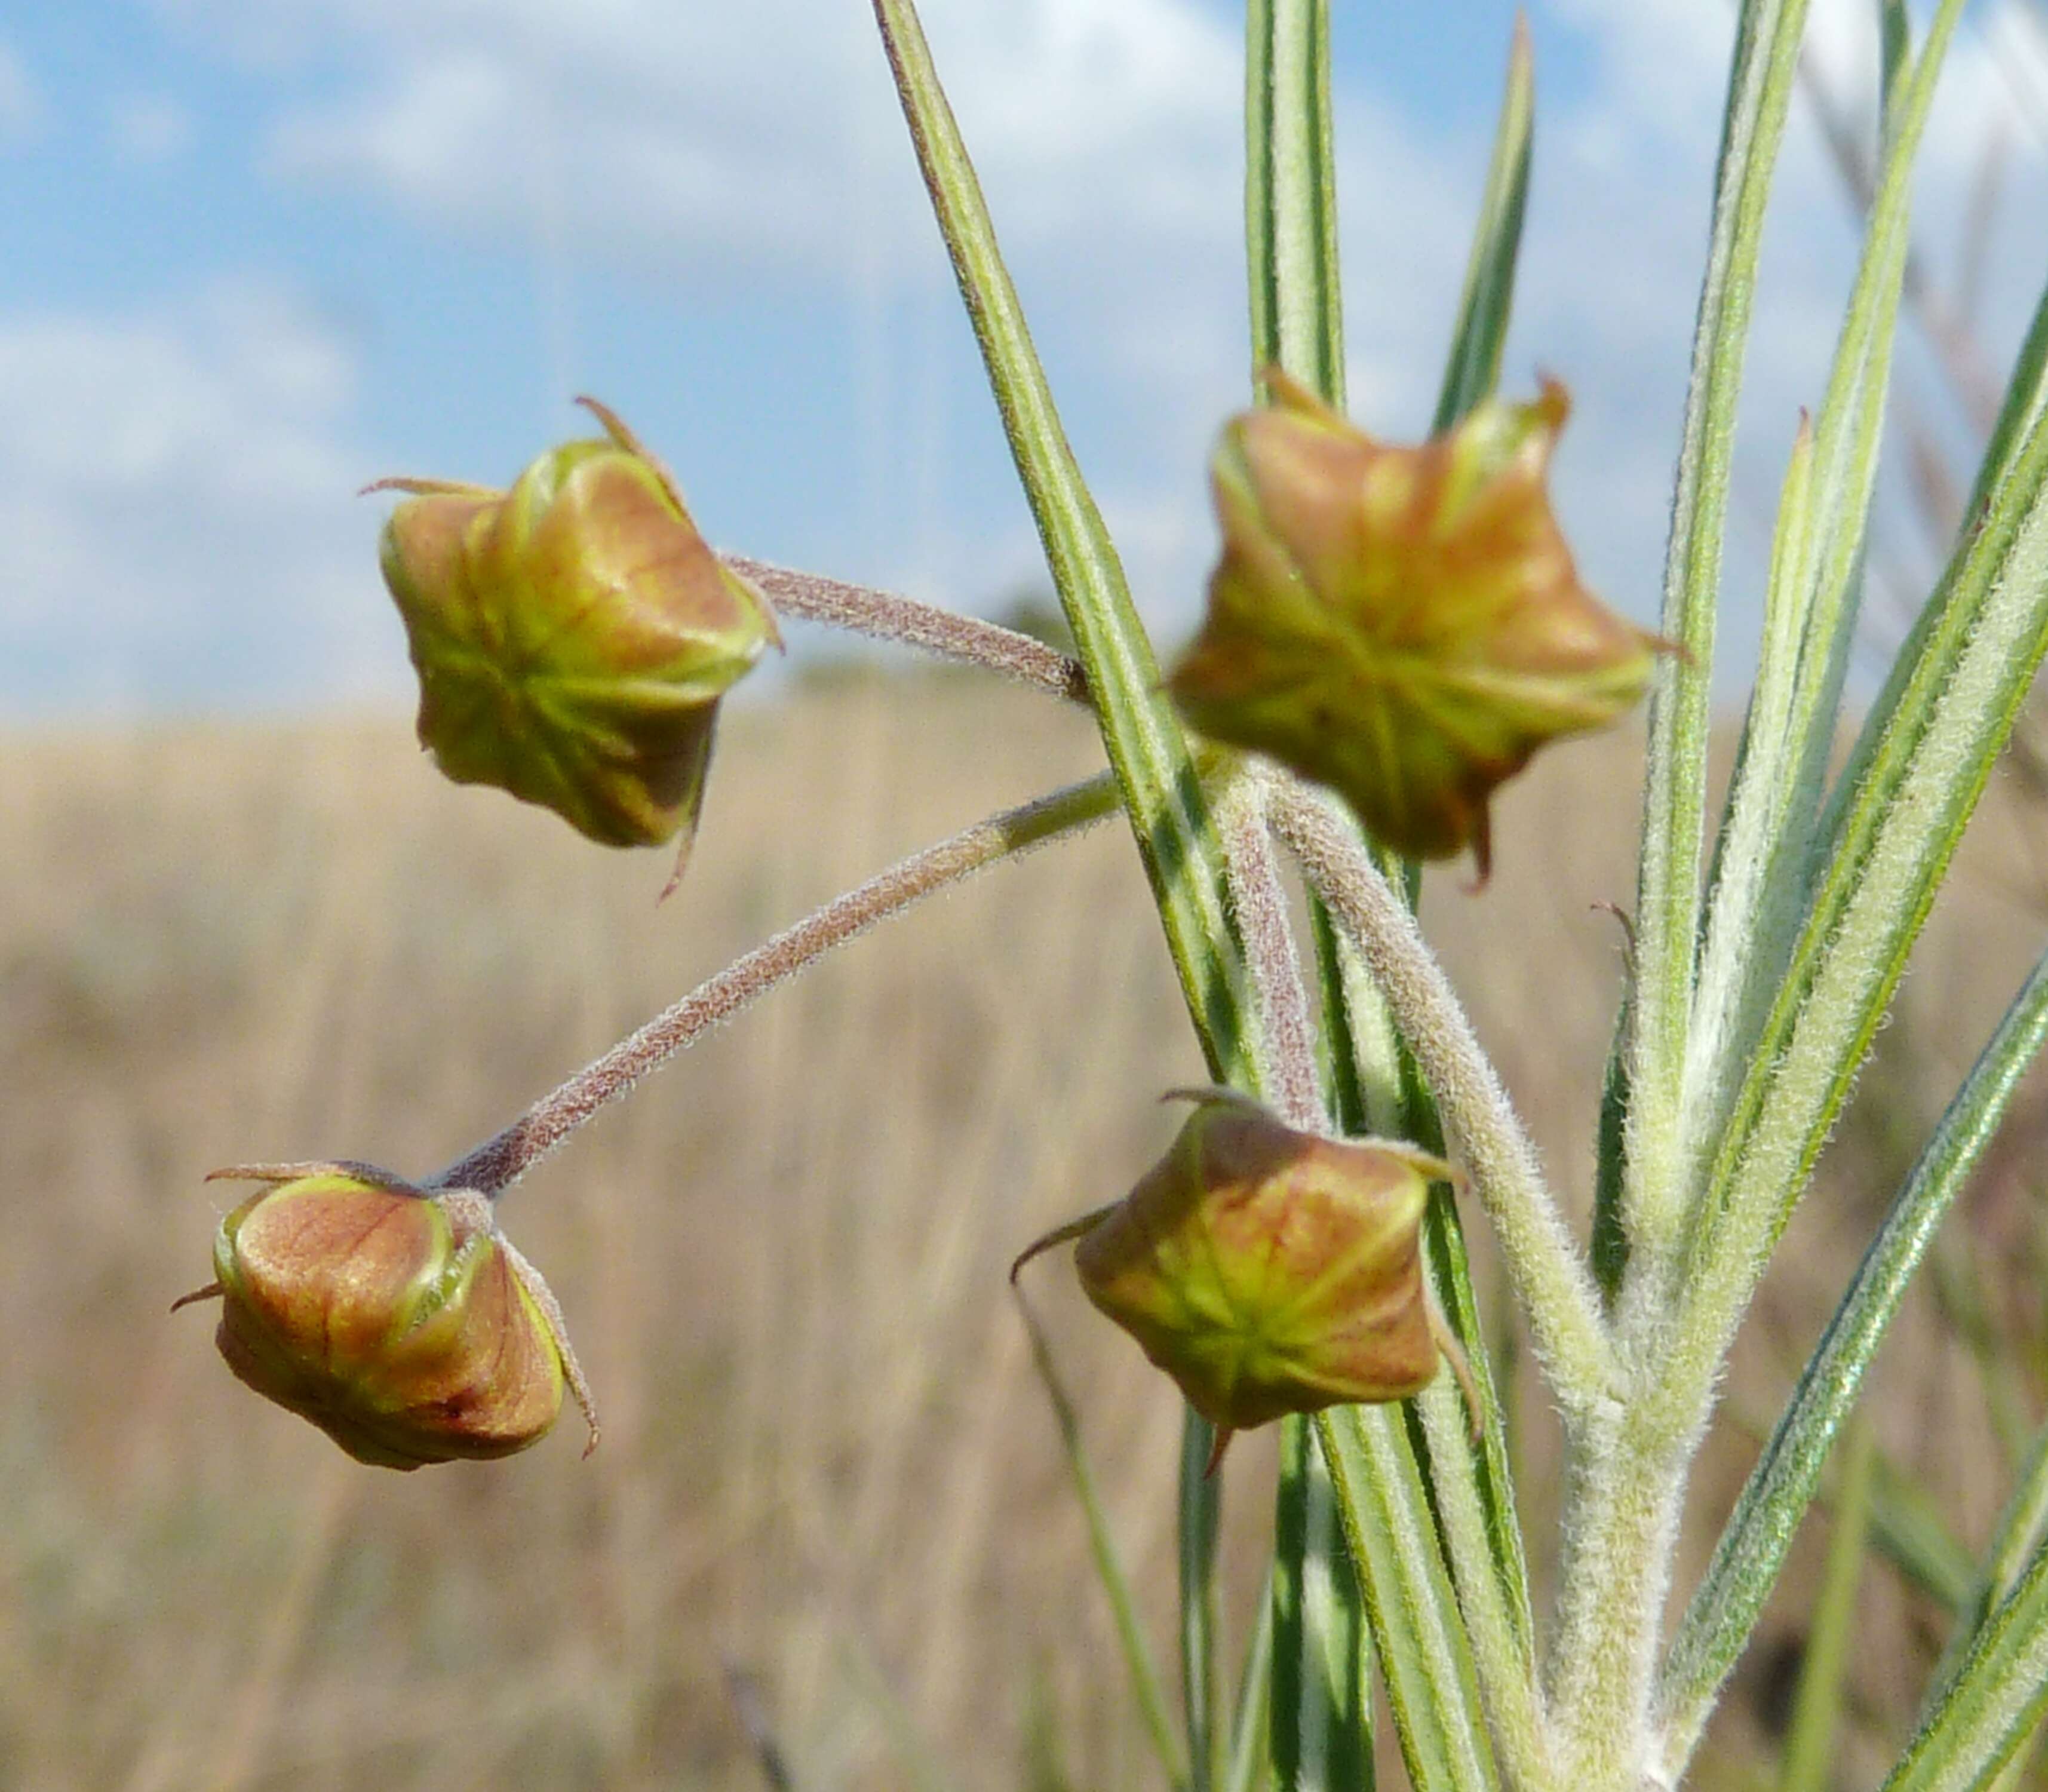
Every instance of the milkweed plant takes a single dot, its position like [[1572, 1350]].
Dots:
[[1392, 631]]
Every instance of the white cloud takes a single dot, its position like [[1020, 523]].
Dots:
[[176, 512], [730, 147], [149, 130], [22, 108], [746, 139]]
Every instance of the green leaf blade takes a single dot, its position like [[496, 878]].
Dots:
[[1996, 1701], [1425, 1655], [1752, 1548], [1146, 747], [1766, 62], [1320, 1715]]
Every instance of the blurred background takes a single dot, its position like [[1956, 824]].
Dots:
[[254, 255]]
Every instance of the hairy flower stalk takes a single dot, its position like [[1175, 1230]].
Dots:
[[498, 1163], [1548, 1269], [1501, 1654], [398, 1318], [1260, 902], [883, 616]]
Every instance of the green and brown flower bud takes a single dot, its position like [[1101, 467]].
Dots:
[[1403, 624], [402, 1323], [573, 635], [1269, 1270]]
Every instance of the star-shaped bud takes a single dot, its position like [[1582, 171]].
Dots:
[[402, 1322], [1270, 1270], [573, 635], [1403, 624]]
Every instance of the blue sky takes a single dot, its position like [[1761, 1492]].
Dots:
[[255, 253]]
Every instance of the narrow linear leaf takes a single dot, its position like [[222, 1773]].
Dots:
[[1895, 31], [1200, 1513], [2025, 400], [2026, 397], [1181, 850], [1765, 69], [1899, 831], [1320, 1712], [1290, 207], [1994, 1702], [1906, 1525], [1760, 793], [1169, 813], [1746, 1562], [1480, 332], [1424, 1656], [1816, 581]]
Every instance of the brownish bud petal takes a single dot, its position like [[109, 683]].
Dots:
[[1269, 1270], [1405, 625], [398, 1322], [573, 636]]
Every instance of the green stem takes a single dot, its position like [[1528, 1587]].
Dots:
[[1200, 1519], [1145, 1682]]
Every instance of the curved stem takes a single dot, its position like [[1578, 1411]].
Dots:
[[496, 1165], [1500, 1655], [887, 617], [1259, 899], [1550, 1274]]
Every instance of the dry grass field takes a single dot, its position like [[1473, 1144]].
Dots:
[[826, 1463]]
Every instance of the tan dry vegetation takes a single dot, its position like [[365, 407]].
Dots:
[[825, 1459]]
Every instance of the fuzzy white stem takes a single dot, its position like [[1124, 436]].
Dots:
[[1549, 1270], [1259, 899], [884, 616], [1623, 1499]]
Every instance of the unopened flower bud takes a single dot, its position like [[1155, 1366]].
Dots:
[[1403, 624], [1269, 1270], [573, 635], [402, 1323]]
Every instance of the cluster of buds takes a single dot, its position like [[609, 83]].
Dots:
[[400, 1321], [1403, 624], [1269, 1270], [573, 636]]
